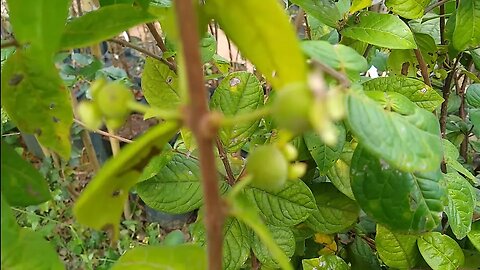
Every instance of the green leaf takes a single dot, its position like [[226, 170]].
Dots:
[[337, 56], [339, 174], [35, 99], [418, 92], [276, 48], [158, 257], [325, 262], [283, 237], [358, 5], [40, 25], [336, 212], [440, 251], [383, 30], [396, 250], [361, 255], [100, 205], [410, 9], [22, 184], [323, 10], [451, 159], [325, 156], [9, 227], [160, 85], [474, 235], [467, 25], [402, 201], [286, 207], [461, 203], [238, 93], [176, 188], [402, 139], [236, 242], [473, 95], [102, 24], [208, 47]]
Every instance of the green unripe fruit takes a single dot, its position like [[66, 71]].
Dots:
[[268, 167], [113, 100], [290, 152], [291, 109], [90, 114]]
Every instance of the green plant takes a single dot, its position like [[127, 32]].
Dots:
[[385, 170]]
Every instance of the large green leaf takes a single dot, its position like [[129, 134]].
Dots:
[[410, 9], [361, 255], [9, 227], [403, 140], [325, 262], [325, 156], [323, 10], [276, 49], [160, 85], [474, 235], [22, 184], [473, 95], [286, 207], [440, 251], [238, 93], [283, 237], [236, 242], [39, 23], [37, 101], [102, 24], [467, 25], [176, 188], [182, 257], [100, 205], [396, 250], [383, 30], [336, 212], [451, 159], [339, 174], [415, 90], [402, 201], [461, 203]]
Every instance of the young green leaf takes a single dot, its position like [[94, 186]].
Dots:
[[22, 184], [208, 47], [339, 173], [401, 201], [467, 25], [474, 235], [238, 93], [100, 205], [283, 237], [361, 255], [323, 10], [440, 251], [417, 91], [325, 156], [157, 257], [102, 24], [336, 212], [473, 95], [286, 207], [35, 99], [276, 48], [325, 262], [461, 203], [383, 30], [451, 159], [160, 85], [396, 250], [410, 9]]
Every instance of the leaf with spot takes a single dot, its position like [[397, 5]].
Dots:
[[286, 207], [325, 156], [22, 184], [176, 187], [49, 113], [417, 91], [276, 48], [440, 251], [167, 257], [238, 93], [474, 235], [100, 205], [410, 9], [160, 85], [336, 212], [396, 250], [401, 201], [383, 30], [325, 262], [283, 237], [461, 203]]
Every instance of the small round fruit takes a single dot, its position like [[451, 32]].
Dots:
[[291, 109], [290, 152], [90, 114], [268, 167], [113, 100]]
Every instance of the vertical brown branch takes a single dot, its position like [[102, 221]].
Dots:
[[442, 23], [446, 94], [197, 121], [423, 67], [158, 39], [226, 164]]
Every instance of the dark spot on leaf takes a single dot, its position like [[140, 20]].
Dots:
[[16, 79], [169, 80], [430, 53], [55, 119], [117, 193], [38, 131], [52, 106]]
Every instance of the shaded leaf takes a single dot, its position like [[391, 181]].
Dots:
[[160, 85], [208, 47], [440, 251], [325, 262], [467, 25], [473, 95], [396, 250], [339, 173], [325, 156], [361, 255], [283, 237], [474, 235], [323, 10], [451, 159]]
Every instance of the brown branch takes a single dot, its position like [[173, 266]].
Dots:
[[158, 39], [226, 164], [199, 124], [442, 22], [307, 28], [10, 43], [101, 132], [423, 67], [434, 5], [462, 111], [446, 94], [340, 77]]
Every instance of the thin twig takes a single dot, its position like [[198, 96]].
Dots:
[[340, 77], [423, 67], [226, 164], [200, 126], [10, 43], [158, 39], [101, 132], [11, 134], [442, 22], [434, 5], [307, 28], [446, 95]]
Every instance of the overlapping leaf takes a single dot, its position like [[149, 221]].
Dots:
[[325, 262], [410, 9], [323, 10], [325, 156], [473, 95], [440, 251], [474, 235], [339, 173], [283, 237], [160, 85], [467, 25], [396, 250]]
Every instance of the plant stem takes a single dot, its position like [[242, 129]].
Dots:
[[423, 67], [446, 95], [198, 122], [442, 22], [340, 77], [101, 132], [226, 164], [434, 5], [158, 39], [10, 43]]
